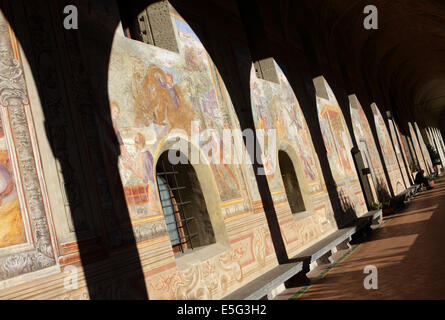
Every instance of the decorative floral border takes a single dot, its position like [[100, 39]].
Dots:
[[13, 96]]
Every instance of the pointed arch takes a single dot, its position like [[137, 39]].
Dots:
[[388, 153], [368, 149], [338, 146]]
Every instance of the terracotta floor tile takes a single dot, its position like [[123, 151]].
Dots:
[[408, 251]]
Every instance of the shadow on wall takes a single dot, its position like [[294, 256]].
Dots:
[[70, 69], [348, 212], [76, 110], [382, 191]]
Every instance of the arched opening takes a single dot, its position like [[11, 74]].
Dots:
[[291, 185], [188, 222]]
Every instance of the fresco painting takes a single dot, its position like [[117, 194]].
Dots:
[[333, 125], [366, 144], [426, 154], [388, 153], [405, 148], [12, 229], [338, 148], [416, 147], [154, 92], [276, 107], [398, 150]]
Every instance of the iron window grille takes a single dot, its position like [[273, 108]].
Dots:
[[178, 224]]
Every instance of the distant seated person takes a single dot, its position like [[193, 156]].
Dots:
[[420, 179]]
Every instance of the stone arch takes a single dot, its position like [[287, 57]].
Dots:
[[424, 150], [45, 62], [400, 155], [417, 150], [338, 145], [389, 155], [298, 168], [368, 149], [275, 107]]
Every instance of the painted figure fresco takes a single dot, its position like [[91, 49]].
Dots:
[[416, 148], [426, 154], [12, 230], [154, 93], [388, 153], [405, 152], [366, 144], [335, 135], [276, 107], [338, 148], [398, 150]]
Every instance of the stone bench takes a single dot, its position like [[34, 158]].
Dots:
[[375, 216], [318, 250], [294, 272], [263, 285], [402, 197], [321, 252], [414, 189]]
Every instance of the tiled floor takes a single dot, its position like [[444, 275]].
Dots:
[[408, 251]]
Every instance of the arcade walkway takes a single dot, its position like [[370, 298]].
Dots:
[[407, 251]]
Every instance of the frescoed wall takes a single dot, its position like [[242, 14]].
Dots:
[[426, 154], [25, 227], [406, 149], [406, 153], [416, 146], [367, 146], [64, 164], [388, 153], [438, 145], [399, 153], [275, 107], [338, 147], [154, 93]]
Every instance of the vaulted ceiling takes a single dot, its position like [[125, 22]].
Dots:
[[404, 58], [402, 62]]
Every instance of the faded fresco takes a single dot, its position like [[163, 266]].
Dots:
[[438, 144], [388, 153], [12, 230], [407, 152], [426, 154], [398, 150], [416, 147], [405, 148], [275, 106], [338, 148], [367, 146], [154, 92]]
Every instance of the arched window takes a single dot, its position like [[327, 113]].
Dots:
[[184, 206], [291, 184]]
